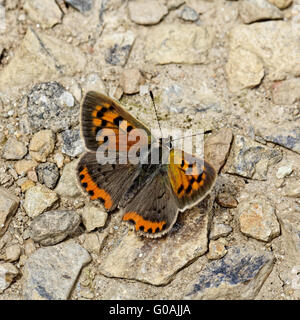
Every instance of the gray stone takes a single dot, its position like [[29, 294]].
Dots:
[[72, 143], [47, 107], [81, 5], [7, 274], [156, 261], [48, 174], [239, 275], [257, 10], [219, 230], [13, 149], [188, 14], [250, 159], [52, 227], [68, 185], [50, 273], [146, 12], [38, 199], [164, 44], [8, 207]]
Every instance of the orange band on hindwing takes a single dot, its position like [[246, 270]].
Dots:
[[93, 190], [144, 225]]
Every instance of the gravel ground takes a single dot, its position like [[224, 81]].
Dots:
[[232, 67]]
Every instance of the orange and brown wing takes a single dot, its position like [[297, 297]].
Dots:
[[191, 178], [103, 118]]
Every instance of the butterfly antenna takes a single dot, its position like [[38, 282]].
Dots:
[[155, 110], [193, 135]]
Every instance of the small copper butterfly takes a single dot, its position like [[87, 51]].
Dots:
[[150, 194]]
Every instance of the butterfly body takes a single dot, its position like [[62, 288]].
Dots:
[[150, 191]]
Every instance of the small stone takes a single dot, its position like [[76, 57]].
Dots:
[[293, 189], [32, 175], [281, 4], [38, 199], [13, 150], [27, 184], [50, 106], [257, 10], [146, 12], [51, 272], [284, 171], [238, 275], [81, 5], [219, 230], [164, 44], [72, 143], [250, 159], [92, 243], [257, 219], [68, 184], [287, 91], [8, 272], [188, 14], [130, 81], [12, 253], [8, 206], [244, 70], [41, 145], [94, 82], [217, 249], [217, 147], [46, 12], [226, 200], [29, 247], [116, 92], [52, 227], [93, 217], [23, 166], [59, 160], [48, 174]]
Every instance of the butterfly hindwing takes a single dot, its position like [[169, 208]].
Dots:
[[153, 210], [106, 183], [191, 178], [102, 117]]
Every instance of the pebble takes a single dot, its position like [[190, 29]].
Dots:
[[217, 249], [281, 4], [8, 273], [81, 5], [257, 218], [68, 185], [217, 147], [38, 199], [46, 13], [13, 149], [51, 272], [93, 82], [188, 14], [250, 159], [48, 174], [29, 247], [93, 217], [164, 44], [52, 227], [130, 81], [41, 145], [92, 243], [59, 160], [8, 206], [72, 143], [12, 253], [257, 10], [146, 12], [293, 189], [226, 200], [284, 171], [238, 275], [23, 166], [244, 69], [50, 106], [219, 230]]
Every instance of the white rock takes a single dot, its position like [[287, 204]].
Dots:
[[284, 171]]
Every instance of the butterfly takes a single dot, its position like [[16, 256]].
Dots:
[[150, 194]]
